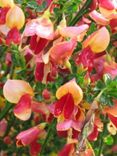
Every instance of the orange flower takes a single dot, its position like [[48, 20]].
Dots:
[[72, 88], [95, 40]]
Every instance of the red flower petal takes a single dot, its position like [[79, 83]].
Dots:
[[93, 5], [37, 44], [35, 148], [62, 133], [3, 12], [67, 150], [94, 134], [68, 106], [64, 126], [23, 109], [28, 136], [113, 119], [107, 4], [40, 108], [3, 127], [39, 71], [13, 36], [86, 58], [59, 105]]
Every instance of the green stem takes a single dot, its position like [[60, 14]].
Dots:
[[80, 13], [5, 110], [101, 138], [50, 129]]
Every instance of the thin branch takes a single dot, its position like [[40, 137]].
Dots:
[[80, 13]]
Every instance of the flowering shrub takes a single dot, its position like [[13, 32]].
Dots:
[[58, 77]]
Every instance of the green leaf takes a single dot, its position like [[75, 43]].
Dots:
[[92, 28], [32, 4], [8, 106]]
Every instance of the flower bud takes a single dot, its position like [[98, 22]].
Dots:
[[15, 18], [46, 94]]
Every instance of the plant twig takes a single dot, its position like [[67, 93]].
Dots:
[[52, 125], [80, 13], [101, 138], [5, 110]]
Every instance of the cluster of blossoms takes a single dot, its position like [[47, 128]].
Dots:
[[50, 49]]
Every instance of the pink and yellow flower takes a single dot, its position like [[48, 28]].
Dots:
[[26, 137], [21, 94]]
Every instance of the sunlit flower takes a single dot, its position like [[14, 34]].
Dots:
[[72, 88], [19, 88], [95, 40], [21, 94]]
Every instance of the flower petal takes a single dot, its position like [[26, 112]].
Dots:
[[74, 32], [3, 127], [59, 105], [13, 36], [64, 125], [67, 150], [42, 27], [98, 18], [37, 44], [94, 134], [96, 39], [62, 51], [112, 110], [107, 4], [39, 71], [13, 90], [68, 106], [40, 108], [15, 18], [35, 148], [23, 109], [28, 136], [73, 88], [113, 119]]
